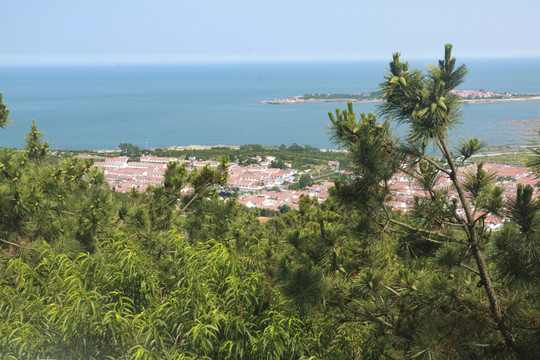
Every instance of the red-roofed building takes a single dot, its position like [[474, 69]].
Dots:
[[152, 159]]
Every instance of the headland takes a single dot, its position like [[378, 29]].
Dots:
[[467, 96]]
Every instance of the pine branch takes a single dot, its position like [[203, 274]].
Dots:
[[453, 176], [469, 268], [424, 231], [449, 223], [18, 245], [365, 316], [189, 203], [10, 243], [436, 164], [390, 289], [429, 232], [433, 241], [481, 217]]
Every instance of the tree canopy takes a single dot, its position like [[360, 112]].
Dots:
[[4, 113], [178, 273], [446, 223], [130, 150]]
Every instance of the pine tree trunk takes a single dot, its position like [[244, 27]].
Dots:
[[480, 261], [494, 305]]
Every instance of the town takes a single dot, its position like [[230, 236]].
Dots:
[[507, 177], [258, 185], [262, 186]]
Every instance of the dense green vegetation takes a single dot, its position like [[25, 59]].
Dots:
[[130, 150], [86, 273], [299, 156], [349, 97]]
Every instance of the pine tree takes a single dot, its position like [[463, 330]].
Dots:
[[4, 113], [438, 221], [35, 148]]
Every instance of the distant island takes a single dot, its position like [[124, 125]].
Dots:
[[468, 96]]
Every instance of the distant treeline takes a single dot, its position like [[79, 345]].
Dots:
[[363, 96], [300, 156]]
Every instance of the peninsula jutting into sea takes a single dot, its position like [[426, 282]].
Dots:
[[468, 96]]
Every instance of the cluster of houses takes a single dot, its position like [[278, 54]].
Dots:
[[405, 188], [258, 177], [264, 187], [480, 94], [123, 175], [276, 200], [259, 185]]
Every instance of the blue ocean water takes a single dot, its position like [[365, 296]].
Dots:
[[165, 105]]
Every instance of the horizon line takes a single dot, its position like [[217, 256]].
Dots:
[[124, 61]]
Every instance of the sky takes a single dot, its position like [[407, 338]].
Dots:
[[37, 32]]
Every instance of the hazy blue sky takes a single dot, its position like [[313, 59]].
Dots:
[[135, 31]]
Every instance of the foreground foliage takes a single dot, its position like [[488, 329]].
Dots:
[[434, 283], [91, 274], [197, 301]]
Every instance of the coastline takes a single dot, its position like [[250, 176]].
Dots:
[[295, 100], [512, 99], [299, 100]]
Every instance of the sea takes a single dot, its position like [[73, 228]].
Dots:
[[154, 106]]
